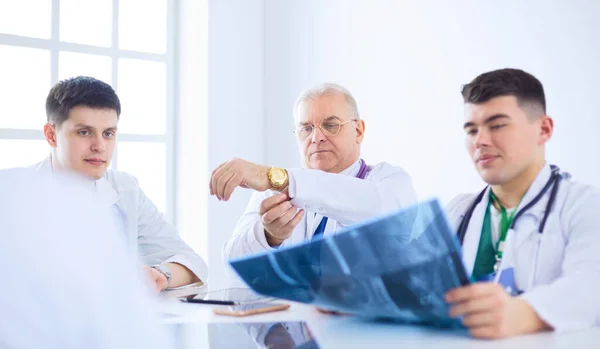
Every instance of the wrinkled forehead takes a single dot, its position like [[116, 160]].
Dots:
[[316, 110]]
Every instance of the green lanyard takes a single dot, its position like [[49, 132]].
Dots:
[[504, 226], [488, 258]]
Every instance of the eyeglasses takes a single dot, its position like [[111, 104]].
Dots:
[[328, 127]]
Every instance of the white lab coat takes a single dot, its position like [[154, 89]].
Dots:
[[343, 198], [148, 234], [68, 279], [559, 270]]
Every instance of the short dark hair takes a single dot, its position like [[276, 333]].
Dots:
[[505, 82], [79, 91]]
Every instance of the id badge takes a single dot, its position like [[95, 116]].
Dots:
[[506, 278]]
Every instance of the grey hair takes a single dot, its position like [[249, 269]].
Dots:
[[327, 89]]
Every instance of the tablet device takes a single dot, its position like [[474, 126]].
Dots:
[[236, 295]]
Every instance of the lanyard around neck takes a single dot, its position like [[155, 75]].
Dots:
[[505, 223]]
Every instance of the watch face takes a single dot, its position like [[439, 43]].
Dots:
[[278, 175]]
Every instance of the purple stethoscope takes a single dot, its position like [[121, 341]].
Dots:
[[363, 171]]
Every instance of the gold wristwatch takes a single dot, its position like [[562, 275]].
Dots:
[[278, 178]]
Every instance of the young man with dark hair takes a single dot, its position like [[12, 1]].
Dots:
[[83, 114], [530, 238]]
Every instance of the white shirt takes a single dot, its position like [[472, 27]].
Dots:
[[496, 220], [558, 270], [68, 281], [147, 233], [342, 197]]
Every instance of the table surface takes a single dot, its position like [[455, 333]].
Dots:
[[196, 326]]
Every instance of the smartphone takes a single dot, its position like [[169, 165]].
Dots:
[[250, 309]]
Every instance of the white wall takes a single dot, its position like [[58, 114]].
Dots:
[[405, 62], [235, 110]]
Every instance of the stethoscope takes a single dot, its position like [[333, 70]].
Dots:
[[553, 183]]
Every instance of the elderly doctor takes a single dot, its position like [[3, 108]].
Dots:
[[530, 214], [336, 188], [82, 128]]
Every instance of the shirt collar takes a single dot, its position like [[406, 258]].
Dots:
[[102, 185], [353, 169]]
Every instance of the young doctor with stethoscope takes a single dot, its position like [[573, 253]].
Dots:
[[532, 227]]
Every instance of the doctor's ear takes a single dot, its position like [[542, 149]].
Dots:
[[360, 130], [546, 129], [50, 134]]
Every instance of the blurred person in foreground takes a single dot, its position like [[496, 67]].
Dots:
[[70, 281]]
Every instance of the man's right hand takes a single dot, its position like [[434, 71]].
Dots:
[[279, 218]]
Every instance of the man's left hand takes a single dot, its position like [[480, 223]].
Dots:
[[238, 173], [488, 311]]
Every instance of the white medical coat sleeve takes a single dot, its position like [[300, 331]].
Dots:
[[159, 242], [350, 200]]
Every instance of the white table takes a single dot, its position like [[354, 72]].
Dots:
[[188, 323]]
